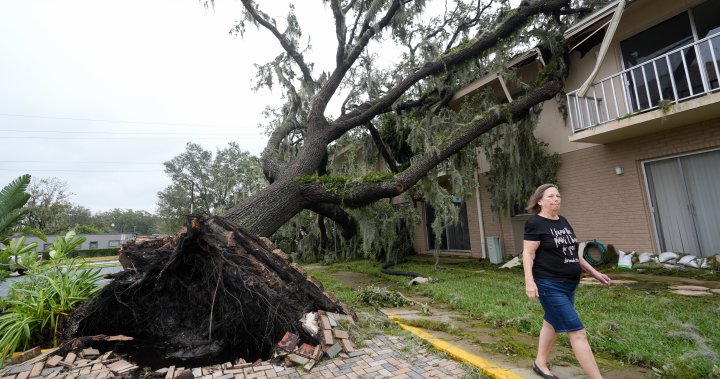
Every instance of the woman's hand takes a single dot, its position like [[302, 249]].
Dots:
[[531, 289], [602, 278]]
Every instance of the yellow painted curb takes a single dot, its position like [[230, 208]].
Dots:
[[20, 352], [483, 364]]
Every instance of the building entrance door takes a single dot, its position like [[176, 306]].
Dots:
[[685, 202]]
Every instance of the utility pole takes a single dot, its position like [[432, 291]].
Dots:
[[192, 195]]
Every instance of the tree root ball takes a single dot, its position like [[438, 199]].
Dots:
[[211, 294]]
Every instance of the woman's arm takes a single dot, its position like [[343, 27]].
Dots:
[[602, 278], [528, 256]]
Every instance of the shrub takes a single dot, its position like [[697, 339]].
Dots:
[[95, 252], [36, 305]]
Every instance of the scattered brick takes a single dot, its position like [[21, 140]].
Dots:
[[170, 372], [296, 359], [308, 366], [347, 345], [305, 350], [288, 342], [70, 358], [334, 350], [37, 369], [328, 337], [341, 334], [90, 353], [325, 322], [53, 361], [331, 318]]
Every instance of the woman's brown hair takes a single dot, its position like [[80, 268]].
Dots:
[[532, 204]]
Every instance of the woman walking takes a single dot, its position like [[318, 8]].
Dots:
[[552, 265]]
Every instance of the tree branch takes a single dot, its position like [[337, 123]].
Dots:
[[294, 54], [511, 23], [366, 193], [466, 25], [348, 225], [270, 162], [328, 90], [340, 30], [355, 24], [382, 147]]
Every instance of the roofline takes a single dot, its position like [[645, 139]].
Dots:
[[593, 18]]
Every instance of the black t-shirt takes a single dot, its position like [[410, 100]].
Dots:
[[557, 256]]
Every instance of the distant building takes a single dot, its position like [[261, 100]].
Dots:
[[93, 241]]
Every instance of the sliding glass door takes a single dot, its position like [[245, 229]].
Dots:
[[685, 202]]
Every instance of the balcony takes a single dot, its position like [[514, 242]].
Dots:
[[671, 90]]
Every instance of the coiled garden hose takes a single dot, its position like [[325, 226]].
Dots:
[[589, 258]]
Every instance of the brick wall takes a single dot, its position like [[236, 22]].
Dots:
[[614, 208]]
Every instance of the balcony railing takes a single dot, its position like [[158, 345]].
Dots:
[[679, 75]]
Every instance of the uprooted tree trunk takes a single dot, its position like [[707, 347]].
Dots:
[[210, 294]]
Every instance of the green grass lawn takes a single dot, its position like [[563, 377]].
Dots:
[[677, 336]]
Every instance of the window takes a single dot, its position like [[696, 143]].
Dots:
[[652, 79], [114, 243], [454, 236], [46, 247], [93, 245]]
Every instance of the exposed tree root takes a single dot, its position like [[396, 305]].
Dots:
[[210, 294]]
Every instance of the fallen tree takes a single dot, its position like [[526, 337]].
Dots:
[[214, 290]]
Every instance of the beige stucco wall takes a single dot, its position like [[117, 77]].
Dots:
[[638, 16]]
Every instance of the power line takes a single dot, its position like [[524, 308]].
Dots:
[[80, 162], [108, 139], [75, 170], [131, 133], [105, 120]]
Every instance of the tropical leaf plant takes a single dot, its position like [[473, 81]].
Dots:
[[35, 306], [12, 210], [63, 245], [17, 256]]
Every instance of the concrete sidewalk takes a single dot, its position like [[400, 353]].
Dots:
[[491, 363]]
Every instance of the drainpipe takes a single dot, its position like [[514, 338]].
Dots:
[[609, 34], [480, 217]]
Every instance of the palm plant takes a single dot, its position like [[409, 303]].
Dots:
[[12, 200], [12, 210]]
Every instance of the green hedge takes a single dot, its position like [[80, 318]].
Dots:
[[89, 253], [95, 252]]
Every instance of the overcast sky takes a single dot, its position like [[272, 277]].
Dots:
[[100, 93]]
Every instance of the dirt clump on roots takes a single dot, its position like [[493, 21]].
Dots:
[[211, 294]]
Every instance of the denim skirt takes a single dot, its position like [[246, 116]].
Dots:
[[558, 299]]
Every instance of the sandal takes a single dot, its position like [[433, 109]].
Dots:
[[542, 374]]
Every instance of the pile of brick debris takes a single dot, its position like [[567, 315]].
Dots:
[[90, 363]]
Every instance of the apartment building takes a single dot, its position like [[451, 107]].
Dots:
[[639, 144]]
